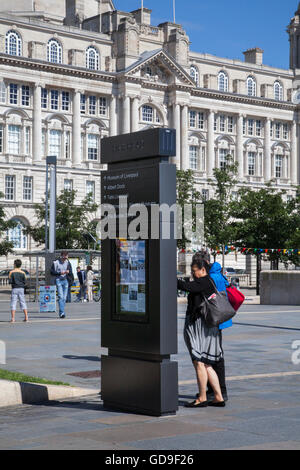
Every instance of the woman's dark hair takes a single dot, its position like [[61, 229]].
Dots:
[[201, 255], [200, 263], [89, 268]]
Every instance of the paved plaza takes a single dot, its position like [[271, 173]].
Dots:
[[264, 387]]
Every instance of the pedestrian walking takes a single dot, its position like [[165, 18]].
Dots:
[[81, 274], [204, 343], [62, 270], [89, 282], [17, 279], [221, 283]]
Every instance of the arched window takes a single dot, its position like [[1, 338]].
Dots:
[[194, 73], [149, 114], [278, 91], [223, 81], [17, 235], [54, 52], [92, 58], [13, 43], [251, 86]]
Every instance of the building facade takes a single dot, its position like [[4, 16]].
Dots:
[[73, 72]]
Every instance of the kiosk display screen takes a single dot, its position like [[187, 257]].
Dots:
[[131, 292]]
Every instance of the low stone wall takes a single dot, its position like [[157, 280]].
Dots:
[[280, 287]]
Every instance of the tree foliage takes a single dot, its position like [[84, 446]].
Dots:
[[72, 222], [6, 247], [187, 194]]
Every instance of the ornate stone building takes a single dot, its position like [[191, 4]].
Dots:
[[74, 71]]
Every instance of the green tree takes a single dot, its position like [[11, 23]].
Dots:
[[219, 228], [6, 247], [187, 194], [72, 222], [293, 243]]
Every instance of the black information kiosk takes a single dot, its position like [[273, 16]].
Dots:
[[139, 297]]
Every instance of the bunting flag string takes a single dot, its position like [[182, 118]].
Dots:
[[250, 251]]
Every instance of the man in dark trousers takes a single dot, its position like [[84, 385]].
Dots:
[[81, 274]]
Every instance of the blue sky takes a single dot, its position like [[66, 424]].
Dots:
[[227, 28]]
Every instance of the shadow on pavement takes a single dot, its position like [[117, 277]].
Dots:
[[83, 358]]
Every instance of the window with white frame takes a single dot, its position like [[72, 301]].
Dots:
[[92, 58], [90, 189], [250, 126], [13, 43], [55, 137], [27, 140], [27, 188], [102, 106], [14, 139], [278, 166], [10, 187], [44, 98], [277, 130], [230, 124], [25, 95], [205, 194], [54, 52], [93, 146], [54, 100], [1, 138], [82, 104], [251, 86], [278, 91], [92, 105], [194, 73], [285, 131], [251, 163], [67, 144], [258, 127], [222, 123], [17, 236], [147, 113], [68, 185], [193, 154], [216, 119], [223, 158], [271, 129], [223, 81], [65, 101], [13, 93], [193, 119], [2, 92], [196, 119]]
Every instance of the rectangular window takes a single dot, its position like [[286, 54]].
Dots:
[[102, 106], [27, 141], [222, 123], [271, 129], [216, 124], [1, 139], [67, 144], [9, 188], [82, 104], [65, 101], [147, 113], [250, 126], [251, 163], [222, 158], [258, 128], [68, 185], [93, 147], [90, 189], [2, 92], [92, 105], [278, 166], [277, 130], [201, 121], [192, 118], [44, 98], [205, 194], [54, 99], [285, 130], [230, 124], [25, 95], [193, 151], [14, 133], [55, 143], [13, 93], [27, 188]]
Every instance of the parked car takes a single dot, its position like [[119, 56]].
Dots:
[[230, 272]]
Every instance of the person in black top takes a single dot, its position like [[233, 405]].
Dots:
[[17, 279], [203, 342]]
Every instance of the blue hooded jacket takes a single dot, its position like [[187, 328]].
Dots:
[[221, 283]]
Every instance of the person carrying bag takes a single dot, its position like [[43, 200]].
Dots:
[[216, 309]]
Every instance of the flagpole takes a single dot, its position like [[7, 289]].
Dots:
[[174, 16], [142, 16]]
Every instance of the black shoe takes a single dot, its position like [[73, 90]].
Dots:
[[62, 316], [219, 404], [193, 404], [211, 397]]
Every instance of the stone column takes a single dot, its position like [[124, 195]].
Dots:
[[294, 153], [239, 146], [210, 143], [135, 114], [176, 125], [126, 115], [267, 155], [76, 129], [185, 164], [113, 116], [37, 125]]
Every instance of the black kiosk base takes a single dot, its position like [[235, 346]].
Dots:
[[139, 281]]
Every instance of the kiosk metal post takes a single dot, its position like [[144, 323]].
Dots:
[[139, 297]]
